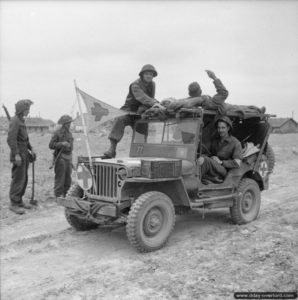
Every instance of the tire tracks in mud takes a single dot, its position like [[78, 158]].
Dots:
[[43, 262], [44, 258], [278, 203], [203, 257]]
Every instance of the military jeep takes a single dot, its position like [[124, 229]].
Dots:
[[161, 177]]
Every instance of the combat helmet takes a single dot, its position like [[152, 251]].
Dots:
[[226, 120], [65, 119], [148, 68], [194, 89], [22, 105]]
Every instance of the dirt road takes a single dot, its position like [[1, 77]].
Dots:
[[205, 258]]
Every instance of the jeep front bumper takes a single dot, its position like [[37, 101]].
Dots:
[[89, 208]]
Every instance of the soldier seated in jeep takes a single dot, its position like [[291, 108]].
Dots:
[[225, 151]]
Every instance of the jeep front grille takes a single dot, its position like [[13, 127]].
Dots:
[[105, 182]]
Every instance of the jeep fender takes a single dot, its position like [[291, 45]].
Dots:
[[174, 188], [245, 171], [261, 181], [235, 175]]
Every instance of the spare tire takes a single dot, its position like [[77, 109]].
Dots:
[[270, 157]]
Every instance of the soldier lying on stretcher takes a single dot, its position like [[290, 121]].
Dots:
[[217, 102]]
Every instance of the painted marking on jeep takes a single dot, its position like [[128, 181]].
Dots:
[[181, 152], [263, 169], [140, 149], [84, 177]]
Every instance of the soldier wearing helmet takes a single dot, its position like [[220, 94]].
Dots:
[[21, 152], [225, 153], [140, 97], [217, 102], [62, 144], [207, 102]]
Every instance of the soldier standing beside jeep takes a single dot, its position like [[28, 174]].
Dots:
[[62, 143], [140, 97], [20, 156]]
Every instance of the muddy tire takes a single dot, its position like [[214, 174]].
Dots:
[[246, 208], [270, 158], [76, 222], [150, 221], [75, 191]]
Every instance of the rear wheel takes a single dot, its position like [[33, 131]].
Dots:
[[246, 208], [75, 221], [150, 221]]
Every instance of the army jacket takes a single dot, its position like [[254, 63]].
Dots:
[[17, 139], [227, 151], [59, 136], [140, 93], [217, 101]]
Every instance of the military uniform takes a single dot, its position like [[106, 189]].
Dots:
[[140, 97], [18, 142], [229, 151], [62, 143], [196, 98], [215, 102]]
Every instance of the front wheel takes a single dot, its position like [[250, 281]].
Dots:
[[73, 220], [78, 223], [150, 221], [246, 208]]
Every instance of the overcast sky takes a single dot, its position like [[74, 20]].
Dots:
[[252, 46]]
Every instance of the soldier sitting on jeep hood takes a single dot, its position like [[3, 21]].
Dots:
[[140, 97], [226, 153]]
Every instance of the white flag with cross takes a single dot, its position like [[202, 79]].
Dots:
[[98, 111]]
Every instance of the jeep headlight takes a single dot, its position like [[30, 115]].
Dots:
[[122, 173]]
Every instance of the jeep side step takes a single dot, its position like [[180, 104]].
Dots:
[[214, 202], [213, 192]]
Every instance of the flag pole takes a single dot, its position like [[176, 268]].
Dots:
[[85, 133]]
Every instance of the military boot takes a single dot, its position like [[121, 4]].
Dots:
[[25, 205], [111, 152], [33, 202], [16, 209]]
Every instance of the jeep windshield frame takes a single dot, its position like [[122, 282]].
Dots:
[[172, 138]]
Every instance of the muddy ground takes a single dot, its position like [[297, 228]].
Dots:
[[208, 257]]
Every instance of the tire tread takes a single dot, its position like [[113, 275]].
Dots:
[[234, 210], [132, 221], [74, 221]]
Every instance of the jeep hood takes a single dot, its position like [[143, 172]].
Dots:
[[133, 164]]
